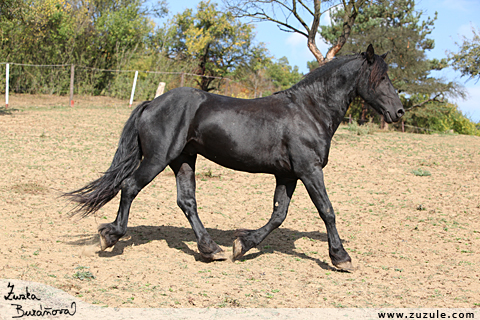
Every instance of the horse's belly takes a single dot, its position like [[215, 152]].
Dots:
[[244, 154]]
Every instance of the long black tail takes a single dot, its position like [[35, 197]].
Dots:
[[97, 193]]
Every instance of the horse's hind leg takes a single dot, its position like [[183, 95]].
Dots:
[[110, 233], [248, 239], [184, 168]]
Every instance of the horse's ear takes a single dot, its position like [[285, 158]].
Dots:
[[370, 54], [384, 55]]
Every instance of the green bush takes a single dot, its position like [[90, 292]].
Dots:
[[436, 117], [367, 128]]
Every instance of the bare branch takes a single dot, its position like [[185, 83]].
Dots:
[[426, 101], [306, 8], [351, 12], [264, 10], [312, 46], [299, 18]]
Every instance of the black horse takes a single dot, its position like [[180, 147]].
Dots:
[[287, 134]]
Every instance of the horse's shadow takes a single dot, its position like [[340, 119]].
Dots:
[[280, 240]]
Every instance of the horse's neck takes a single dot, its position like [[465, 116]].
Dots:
[[328, 98]]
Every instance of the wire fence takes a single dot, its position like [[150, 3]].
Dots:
[[64, 79]]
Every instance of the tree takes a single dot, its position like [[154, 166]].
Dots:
[[467, 60], [282, 11], [431, 117], [35, 31], [395, 26], [252, 73], [216, 41], [282, 74]]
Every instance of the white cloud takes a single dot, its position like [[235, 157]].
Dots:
[[297, 51], [466, 30], [462, 5], [322, 45], [296, 39], [325, 20], [297, 44]]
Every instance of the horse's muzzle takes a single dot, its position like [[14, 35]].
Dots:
[[388, 118]]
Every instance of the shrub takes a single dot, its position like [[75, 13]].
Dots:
[[435, 117]]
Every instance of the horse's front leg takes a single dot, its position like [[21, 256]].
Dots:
[[184, 168], [315, 186], [248, 239]]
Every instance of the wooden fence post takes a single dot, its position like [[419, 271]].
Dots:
[[72, 77], [160, 89], [227, 84], [182, 80]]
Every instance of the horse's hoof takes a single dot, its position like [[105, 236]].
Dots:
[[345, 266], [103, 242], [219, 256], [237, 249]]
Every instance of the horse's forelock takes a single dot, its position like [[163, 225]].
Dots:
[[379, 69]]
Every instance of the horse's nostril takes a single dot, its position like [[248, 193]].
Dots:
[[400, 113]]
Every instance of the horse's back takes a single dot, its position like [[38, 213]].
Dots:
[[242, 134], [246, 135]]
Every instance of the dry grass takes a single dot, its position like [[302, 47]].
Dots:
[[414, 239]]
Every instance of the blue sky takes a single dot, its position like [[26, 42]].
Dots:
[[455, 19]]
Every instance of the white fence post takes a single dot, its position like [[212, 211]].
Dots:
[[133, 88], [6, 86], [72, 79]]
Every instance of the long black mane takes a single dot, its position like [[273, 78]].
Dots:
[[325, 72]]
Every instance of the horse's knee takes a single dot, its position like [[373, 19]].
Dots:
[[328, 215], [188, 205], [277, 221]]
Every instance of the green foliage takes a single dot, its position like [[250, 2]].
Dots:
[[264, 75], [361, 130], [252, 73], [82, 274], [397, 27], [436, 117], [467, 60], [282, 74], [100, 35], [421, 172], [214, 39], [312, 65], [46, 32]]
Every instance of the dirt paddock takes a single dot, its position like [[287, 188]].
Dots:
[[407, 205]]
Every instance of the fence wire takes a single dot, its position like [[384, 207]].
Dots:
[[25, 79], [55, 79]]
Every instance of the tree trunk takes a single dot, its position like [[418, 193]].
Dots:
[[351, 12]]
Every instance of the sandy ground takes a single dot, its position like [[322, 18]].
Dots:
[[414, 239]]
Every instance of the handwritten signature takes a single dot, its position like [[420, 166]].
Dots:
[[41, 311]]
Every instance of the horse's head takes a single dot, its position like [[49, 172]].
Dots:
[[375, 87]]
